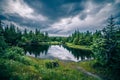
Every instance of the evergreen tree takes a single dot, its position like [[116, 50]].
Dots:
[[3, 44], [104, 47], [1, 28]]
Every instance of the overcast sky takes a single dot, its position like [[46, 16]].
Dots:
[[59, 17]]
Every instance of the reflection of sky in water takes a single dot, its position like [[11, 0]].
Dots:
[[56, 51]]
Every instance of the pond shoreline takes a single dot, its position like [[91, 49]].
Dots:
[[81, 47], [61, 52]]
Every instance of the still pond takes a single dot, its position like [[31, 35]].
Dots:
[[58, 52]]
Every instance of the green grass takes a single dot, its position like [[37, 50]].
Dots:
[[78, 46], [65, 71], [36, 70], [92, 67], [50, 43], [54, 43], [88, 66]]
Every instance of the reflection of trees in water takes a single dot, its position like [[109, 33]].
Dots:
[[36, 50], [77, 53], [43, 49]]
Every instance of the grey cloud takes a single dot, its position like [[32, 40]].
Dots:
[[61, 16], [103, 1], [53, 9], [83, 16]]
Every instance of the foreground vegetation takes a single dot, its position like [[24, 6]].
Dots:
[[91, 66], [15, 65]]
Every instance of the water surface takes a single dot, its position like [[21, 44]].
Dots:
[[58, 52]]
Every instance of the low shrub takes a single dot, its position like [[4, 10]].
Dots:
[[52, 64], [13, 53], [17, 54]]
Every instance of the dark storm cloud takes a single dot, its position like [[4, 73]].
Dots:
[[59, 16], [2, 17], [103, 1], [56, 9], [83, 16]]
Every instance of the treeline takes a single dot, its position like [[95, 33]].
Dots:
[[13, 36], [85, 38], [34, 37]]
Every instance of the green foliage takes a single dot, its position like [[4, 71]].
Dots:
[[13, 52], [17, 54], [75, 41], [3, 44], [13, 70], [52, 64], [86, 48], [81, 38], [12, 35], [107, 48], [99, 50], [15, 65], [104, 47], [97, 35], [1, 29], [33, 38]]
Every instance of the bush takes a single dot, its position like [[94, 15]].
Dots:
[[52, 64], [14, 53], [17, 54], [25, 60], [4, 73], [3, 44], [14, 70]]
